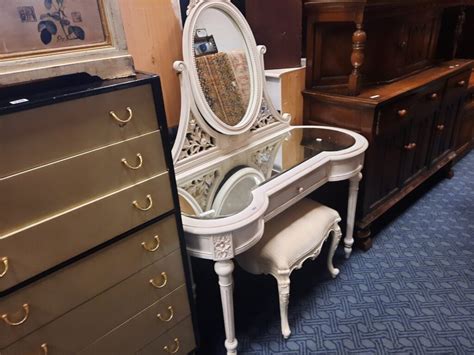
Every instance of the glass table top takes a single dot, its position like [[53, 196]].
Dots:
[[226, 189]]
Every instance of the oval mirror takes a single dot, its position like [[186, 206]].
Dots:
[[224, 67]]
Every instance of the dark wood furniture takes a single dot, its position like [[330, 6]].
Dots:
[[91, 243], [465, 130], [374, 67]]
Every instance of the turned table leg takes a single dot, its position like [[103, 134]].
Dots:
[[224, 270], [351, 209]]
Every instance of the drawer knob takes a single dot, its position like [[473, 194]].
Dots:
[[5, 266], [155, 247], [402, 113], [461, 83], [175, 348], [410, 146], [44, 347], [300, 189], [26, 309], [440, 127], [119, 120], [134, 167], [164, 281], [147, 208], [170, 316], [434, 96]]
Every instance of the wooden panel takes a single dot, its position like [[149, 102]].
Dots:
[[43, 192], [42, 246], [61, 130], [74, 285], [179, 339], [144, 327], [292, 85], [153, 31], [87, 323]]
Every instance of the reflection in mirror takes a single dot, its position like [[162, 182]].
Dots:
[[221, 60]]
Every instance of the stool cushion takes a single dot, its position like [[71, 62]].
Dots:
[[290, 236]]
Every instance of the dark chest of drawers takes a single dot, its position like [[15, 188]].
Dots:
[[91, 244]]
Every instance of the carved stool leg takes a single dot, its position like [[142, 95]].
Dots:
[[351, 209], [336, 237], [284, 295], [224, 270]]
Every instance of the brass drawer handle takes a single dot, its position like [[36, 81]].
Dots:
[[155, 248], [410, 146], [5, 266], [434, 96], [176, 347], [461, 83], [147, 208], [44, 347], [120, 121], [163, 283], [170, 317], [136, 167], [440, 127], [26, 308], [402, 113]]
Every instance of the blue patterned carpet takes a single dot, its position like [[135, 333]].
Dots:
[[412, 293]]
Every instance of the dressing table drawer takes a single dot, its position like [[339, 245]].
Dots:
[[76, 286], [107, 312], [42, 246], [178, 340], [75, 181], [64, 129], [144, 327], [295, 191]]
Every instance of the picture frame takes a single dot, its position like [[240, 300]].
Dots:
[[47, 38]]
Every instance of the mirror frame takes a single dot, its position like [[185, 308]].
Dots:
[[253, 58]]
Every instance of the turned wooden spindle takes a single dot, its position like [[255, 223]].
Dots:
[[357, 59]]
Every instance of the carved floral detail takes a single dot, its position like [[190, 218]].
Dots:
[[200, 188], [197, 140], [192, 4], [262, 158], [223, 248], [265, 117]]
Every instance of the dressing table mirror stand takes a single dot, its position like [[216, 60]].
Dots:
[[238, 161]]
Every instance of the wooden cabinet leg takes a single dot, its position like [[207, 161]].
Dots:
[[363, 239], [449, 173]]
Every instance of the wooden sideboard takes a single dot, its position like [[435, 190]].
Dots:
[[375, 67], [91, 243]]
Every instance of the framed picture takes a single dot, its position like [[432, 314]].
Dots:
[[44, 38]]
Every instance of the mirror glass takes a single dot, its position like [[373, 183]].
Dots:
[[221, 58]]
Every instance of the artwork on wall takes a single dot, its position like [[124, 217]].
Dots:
[[50, 25]]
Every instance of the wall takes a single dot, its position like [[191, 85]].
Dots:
[[153, 30]]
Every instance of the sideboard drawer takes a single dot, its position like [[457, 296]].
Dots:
[[178, 340], [42, 246], [106, 314], [144, 327], [45, 134], [39, 193], [395, 114], [459, 82], [75, 285]]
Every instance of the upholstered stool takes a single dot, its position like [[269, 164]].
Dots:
[[289, 239]]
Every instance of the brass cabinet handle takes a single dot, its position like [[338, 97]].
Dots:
[[410, 146], [152, 249], [461, 83], [120, 121], [5, 266], [147, 208], [26, 308], [440, 127], [44, 347], [402, 113], [136, 167], [176, 347], [434, 96], [163, 283], [170, 317]]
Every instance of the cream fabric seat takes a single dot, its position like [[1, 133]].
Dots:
[[289, 239]]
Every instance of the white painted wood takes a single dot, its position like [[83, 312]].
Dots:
[[107, 61], [351, 209]]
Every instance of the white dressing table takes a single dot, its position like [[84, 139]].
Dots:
[[233, 174]]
